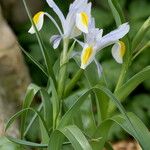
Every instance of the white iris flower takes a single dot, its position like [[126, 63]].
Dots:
[[94, 42], [76, 21], [38, 19]]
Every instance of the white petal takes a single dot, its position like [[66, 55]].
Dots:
[[82, 22], [76, 4], [113, 36], [99, 68], [87, 56], [38, 19], [118, 51], [55, 40], [83, 17], [99, 35], [53, 5], [71, 24], [93, 36], [92, 23]]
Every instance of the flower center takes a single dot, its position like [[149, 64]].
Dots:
[[87, 54], [37, 16], [122, 48], [84, 18]]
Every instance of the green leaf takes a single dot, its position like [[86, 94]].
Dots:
[[56, 140], [145, 47], [119, 18], [26, 143], [74, 135], [140, 34], [73, 81], [23, 111], [32, 120], [117, 11], [101, 98], [48, 115], [72, 111], [55, 104], [45, 54], [84, 118], [34, 61], [47, 107], [132, 83], [139, 104], [31, 92], [142, 134]]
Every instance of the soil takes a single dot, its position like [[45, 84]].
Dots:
[[126, 145]]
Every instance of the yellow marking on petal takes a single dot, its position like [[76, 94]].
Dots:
[[37, 17], [122, 48], [84, 18], [87, 54]]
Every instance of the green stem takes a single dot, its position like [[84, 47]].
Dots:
[[62, 77], [63, 69], [121, 77], [73, 81], [125, 66]]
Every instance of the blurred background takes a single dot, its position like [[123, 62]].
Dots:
[[136, 12]]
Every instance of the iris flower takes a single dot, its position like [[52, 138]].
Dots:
[[76, 21], [94, 42]]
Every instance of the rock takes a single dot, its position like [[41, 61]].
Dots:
[[14, 76]]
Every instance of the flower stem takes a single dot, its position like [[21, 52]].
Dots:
[[73, 81], [121, 77], [63, 69], [126, 64]]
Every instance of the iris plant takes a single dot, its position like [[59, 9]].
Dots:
[[79, 20]]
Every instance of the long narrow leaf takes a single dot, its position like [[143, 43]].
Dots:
[[55, 104], [72, 111], [143, 136], [45, 54], [119, 18], [130, 85], [117, 11], [48, 115], [34, 61], [56, 140], [74, 135], [27, 143], [47, 107], [101, 98], [141, 34], [30, 94], [32, 120], [23, 111]]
